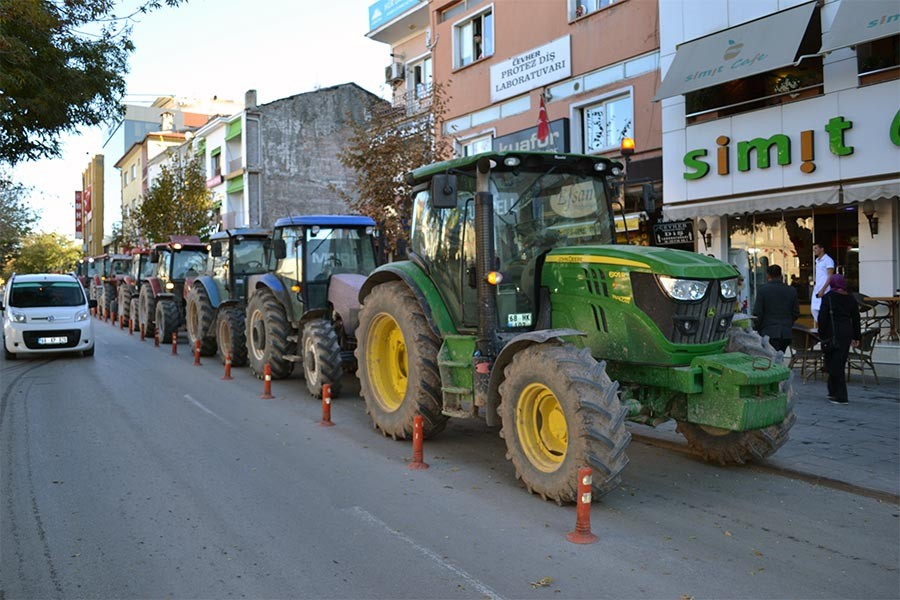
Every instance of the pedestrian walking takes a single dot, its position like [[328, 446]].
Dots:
[[838, 330], [776, 308], [824, 270]]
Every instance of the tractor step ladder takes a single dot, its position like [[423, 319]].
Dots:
[[292, 357], [455, 365]]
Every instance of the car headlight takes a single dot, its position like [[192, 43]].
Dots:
[[728, 288], [17, 317], [81, 316], [683, 289]]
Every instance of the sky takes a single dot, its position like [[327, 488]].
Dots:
[[221, 48]]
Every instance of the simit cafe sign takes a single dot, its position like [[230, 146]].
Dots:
[[533, 69]]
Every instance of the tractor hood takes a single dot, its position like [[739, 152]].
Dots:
[[647, 259]]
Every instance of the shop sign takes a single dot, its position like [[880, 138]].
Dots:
[[386, 10], [673, 233], [87, 201], [532, 69], [79, 222], [526, 140]]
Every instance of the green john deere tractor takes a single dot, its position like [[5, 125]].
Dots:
[[515, 304]]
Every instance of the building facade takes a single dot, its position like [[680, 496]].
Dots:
[[92, 206], [781, 128]]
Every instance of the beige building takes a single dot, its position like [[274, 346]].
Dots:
[[92, 206]]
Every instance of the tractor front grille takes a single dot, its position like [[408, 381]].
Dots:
[[699, 322]]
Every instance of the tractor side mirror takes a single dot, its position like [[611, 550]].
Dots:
[[280, 249], [215, 249], [154, 257], [443, 191]]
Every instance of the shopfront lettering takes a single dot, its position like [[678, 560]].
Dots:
[[738, 64], [779, 144]]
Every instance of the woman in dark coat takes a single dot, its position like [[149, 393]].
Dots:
[[838, 329]]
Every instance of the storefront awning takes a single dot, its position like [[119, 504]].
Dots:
[[749, 49], [859, 21], [754, 204], [873, 190]]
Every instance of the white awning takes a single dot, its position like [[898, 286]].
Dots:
[[859, 21], [874, 190], [755, 47], [753, 204]]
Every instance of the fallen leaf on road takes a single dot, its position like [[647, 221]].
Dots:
[[728, 533], [545, 582], [686, 597], [757, 552]]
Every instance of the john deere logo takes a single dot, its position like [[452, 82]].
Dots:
[[711, 313], [733, 50]]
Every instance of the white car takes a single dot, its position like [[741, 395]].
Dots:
[[46, 313]]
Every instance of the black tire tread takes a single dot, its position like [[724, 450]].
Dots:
[[277, 331], [233, 318], [206, 318], [328, 357]]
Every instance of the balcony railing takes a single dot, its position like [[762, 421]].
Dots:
[[415, 100]]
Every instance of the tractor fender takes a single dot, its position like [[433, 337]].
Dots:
[[211, 289], [514, 346], [273, 283], [155, 286], [421, 286]]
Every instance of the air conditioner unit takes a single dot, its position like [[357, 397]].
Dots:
[[393, 72]]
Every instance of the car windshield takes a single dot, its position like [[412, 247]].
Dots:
[[43, 294], [188, 263]]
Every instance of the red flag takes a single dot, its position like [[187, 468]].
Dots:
[[543, 123]]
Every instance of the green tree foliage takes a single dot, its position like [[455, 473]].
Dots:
[[62, 65], [381, 150], [17, 219], [45, 253], [178, 202]]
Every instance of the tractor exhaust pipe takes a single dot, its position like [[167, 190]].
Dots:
[[486, 342]]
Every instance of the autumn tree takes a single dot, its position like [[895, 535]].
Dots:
[[178, 202], [62, 65], [17, 219], [44, 253], [393, 141]]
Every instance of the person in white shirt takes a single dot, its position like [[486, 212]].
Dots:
[[824, 270]]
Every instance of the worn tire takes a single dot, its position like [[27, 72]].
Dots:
[[126, 291], [107, 301], [200, 320], [231, 336], [560, 412], [738, 447], [147, 310], [397, 357], [267, 335], [321, 352], [134, 312], [168, 320]]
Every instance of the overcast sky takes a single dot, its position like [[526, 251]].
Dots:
[[220, 48]]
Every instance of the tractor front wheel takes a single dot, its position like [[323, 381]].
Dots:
[[230, 336], [321, 354], [267, 335], [199, 317], [560, 412], [737, 447], [397, 356], [167, 319]]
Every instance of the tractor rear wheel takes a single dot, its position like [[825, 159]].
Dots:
[[737, 447], [167, 319], [134, 312], [147, 309], [231, 337], [109, 299], [397, 356], [200, 316], [126, 291], [560, 412], [267, 335], [321, 352]]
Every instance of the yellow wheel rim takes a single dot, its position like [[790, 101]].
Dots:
[[542, 428], [387, 362]]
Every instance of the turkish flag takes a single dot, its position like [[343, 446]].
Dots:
[[543, 123]]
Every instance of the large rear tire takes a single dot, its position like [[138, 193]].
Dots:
[[168, 320], [134, 312], [200, 318], [108, 301], [231, 336], [267, 335], [397, 356], [560, 412], [738, 447], [321, 352], [147, 310], [126, 291]]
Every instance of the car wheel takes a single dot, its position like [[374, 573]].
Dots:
[[89, 352]]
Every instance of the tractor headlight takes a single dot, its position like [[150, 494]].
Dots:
[[728, 288], [683, 289]]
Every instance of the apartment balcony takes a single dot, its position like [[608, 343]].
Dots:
[[235, 164], [393, 20], [413, 101]]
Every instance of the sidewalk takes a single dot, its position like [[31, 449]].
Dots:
[[857, 444]]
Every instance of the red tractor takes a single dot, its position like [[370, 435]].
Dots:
[[141, 268]]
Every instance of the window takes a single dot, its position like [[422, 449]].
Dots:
[[125, 178], [133, 172], [474, 39], [458, 9], [215, 162], [879, 60], [418, 78], [605, 123], [580, 8], [476, 145]]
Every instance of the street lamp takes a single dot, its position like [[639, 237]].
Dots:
[[868, 209], [707, 237]]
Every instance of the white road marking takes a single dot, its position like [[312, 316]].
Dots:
[[471, 581], [206, 410]]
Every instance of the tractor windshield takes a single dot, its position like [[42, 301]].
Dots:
[[188, 263], [249, 256], [120, 266], [332, 251], [146, 267]]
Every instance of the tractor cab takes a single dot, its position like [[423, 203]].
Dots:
[[236, 254], [181, 258]]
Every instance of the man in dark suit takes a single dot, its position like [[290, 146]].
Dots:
[[776, 308]]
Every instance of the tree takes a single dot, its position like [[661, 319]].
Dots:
[[382, 149], [178, 202], [45, 253], [62, 65], [17, 219]]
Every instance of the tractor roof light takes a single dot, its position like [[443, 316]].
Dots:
[[176, 246], [170, 286], [370, 230], [512, 161], [494, 278], [599, 166], [616, 171], [314, 230]]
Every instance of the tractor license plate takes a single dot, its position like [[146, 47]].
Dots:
[[49, 341], [518, 320]]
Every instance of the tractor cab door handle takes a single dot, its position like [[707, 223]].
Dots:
[[470, 272]]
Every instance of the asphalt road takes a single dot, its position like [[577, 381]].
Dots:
[[136, 474]]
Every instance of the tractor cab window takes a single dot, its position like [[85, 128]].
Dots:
[[146, 267], [164, 266], [91, 268], [219, 263], [188, 263], [120, 267], [333, 251], [288, 266], [249, 256]]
